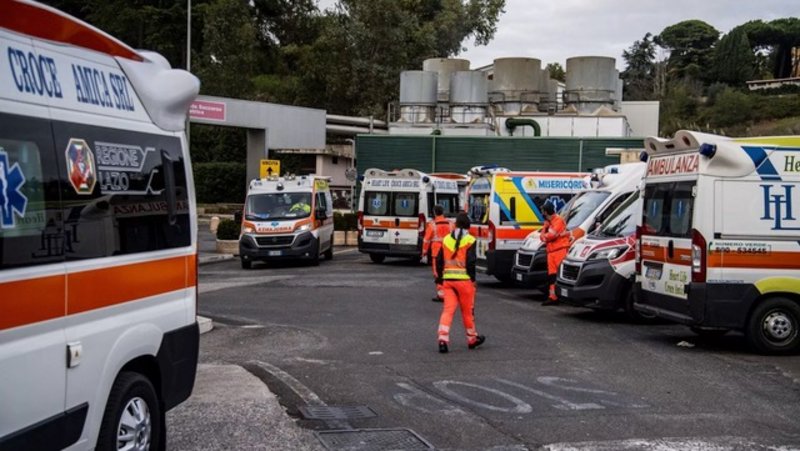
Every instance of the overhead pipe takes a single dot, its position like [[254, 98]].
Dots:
[[514, 122], [352, 120], [349, 130]]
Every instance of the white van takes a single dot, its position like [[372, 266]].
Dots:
[[505, 206], [587, 210], [599, 271], [287, 218], [394, 207], [719, 244], [98, 242]]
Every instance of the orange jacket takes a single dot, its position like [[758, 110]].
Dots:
[[554, 234], [435, 231]]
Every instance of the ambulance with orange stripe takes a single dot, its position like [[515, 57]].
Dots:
[[719, 244], [395, 206], [98, 242], [505, 207], [287, 218]]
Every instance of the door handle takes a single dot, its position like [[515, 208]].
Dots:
[[670, 249]]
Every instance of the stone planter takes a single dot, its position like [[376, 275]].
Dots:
[[352, 238], [228, 247], [339, 238]]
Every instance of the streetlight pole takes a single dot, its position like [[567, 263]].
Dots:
[[188, 59], [353, 181]]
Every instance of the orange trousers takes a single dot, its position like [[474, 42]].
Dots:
[[554, 259], [458, 293], [439, 288]]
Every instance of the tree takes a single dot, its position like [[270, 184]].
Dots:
[[640, 74], [353, 67], [780, 36], [228, 59], [734, 59], [556, 71], [691, 45]]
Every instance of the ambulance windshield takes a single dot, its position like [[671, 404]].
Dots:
[[624, 219], [581, 206], [275, 206]]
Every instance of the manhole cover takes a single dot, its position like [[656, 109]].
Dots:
[[336, 412], [372, 440]]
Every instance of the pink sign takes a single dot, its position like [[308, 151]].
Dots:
[[202, 109]]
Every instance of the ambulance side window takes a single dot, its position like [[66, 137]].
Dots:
[[322, 202], [611, 207], [124, 192], [30, 217], [479, 208], [668, 209], [681, 210]]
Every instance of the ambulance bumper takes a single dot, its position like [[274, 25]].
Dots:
[[302, 246], [597, 285], [530, 269], [707, 305], [390, 250]]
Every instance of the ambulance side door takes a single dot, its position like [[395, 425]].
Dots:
[[33, 358]]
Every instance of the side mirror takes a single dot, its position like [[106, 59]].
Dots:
[[321, 214]]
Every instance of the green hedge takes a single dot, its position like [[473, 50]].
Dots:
[[345, 221], [228, 229], [220, 182]]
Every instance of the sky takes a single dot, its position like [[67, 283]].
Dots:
[[554, 30]]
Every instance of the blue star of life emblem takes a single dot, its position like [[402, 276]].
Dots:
[[11, 198]]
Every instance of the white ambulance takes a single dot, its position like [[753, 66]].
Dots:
[[394, 207], [719, 244], [98, 241], [505, 207], [609, 188], [287, 218], [599, 271]]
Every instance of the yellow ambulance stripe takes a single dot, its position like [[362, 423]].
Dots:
[[778, 284], [786, 141]]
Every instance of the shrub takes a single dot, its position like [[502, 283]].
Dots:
[[730, 108], [228, 230], [345, 221], [220, 182]]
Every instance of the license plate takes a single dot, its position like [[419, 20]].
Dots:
[[274, 253], [519, 277], [653, 273], [375, 233], [564, 293]]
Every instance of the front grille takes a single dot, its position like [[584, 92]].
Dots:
[[524, 260], [277, 240], [570, 272]]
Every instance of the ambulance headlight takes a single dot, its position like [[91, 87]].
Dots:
[[708, 150], [303, 228], [248, 229], [609, 253]]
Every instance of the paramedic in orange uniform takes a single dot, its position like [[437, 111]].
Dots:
[[455, 267], [555, 235], [435, 232]]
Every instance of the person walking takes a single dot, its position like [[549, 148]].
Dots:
[[556, 237], [435, 231], [455, 269]]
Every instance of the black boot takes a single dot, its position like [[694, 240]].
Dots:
[[478, 341], [437, 299], [443, 347]]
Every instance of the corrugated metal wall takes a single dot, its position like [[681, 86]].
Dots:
[[459, 154]]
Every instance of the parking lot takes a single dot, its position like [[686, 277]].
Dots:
[[362, 336]]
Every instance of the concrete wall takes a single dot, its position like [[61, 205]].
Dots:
[[642, 117], [325, 166]]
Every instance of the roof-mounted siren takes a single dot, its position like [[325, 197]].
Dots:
[[478, 171]]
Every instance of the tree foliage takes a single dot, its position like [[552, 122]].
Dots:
[[691, 45], [556, 71], [639, 76], [734, 60], [781, 36]]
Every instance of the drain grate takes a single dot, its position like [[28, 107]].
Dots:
[[372, 440], [336, 412]]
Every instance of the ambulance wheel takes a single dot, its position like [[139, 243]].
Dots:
[[377, 258], [635, 315], [315, 256], [133, 418], [774, 326], [246, 264], [329, 253]]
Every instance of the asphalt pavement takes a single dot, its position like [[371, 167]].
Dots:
[[353, 344]]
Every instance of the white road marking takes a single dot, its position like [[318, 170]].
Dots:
[[562, 404], [346, 251], [726, 443], [425, 402], [520, 406], [209, 287], [376, 353]]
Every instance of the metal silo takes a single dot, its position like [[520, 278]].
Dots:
[[591, 83], [516, 86], [468, 96], [444, 67], [417, 96]]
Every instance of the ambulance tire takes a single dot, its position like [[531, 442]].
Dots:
[[130, 389], [635, 315], [329, 252], [315, 256], [246, 264], [774, 326], [377, 258]]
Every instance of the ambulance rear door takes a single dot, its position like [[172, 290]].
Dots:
[[666, 251]]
